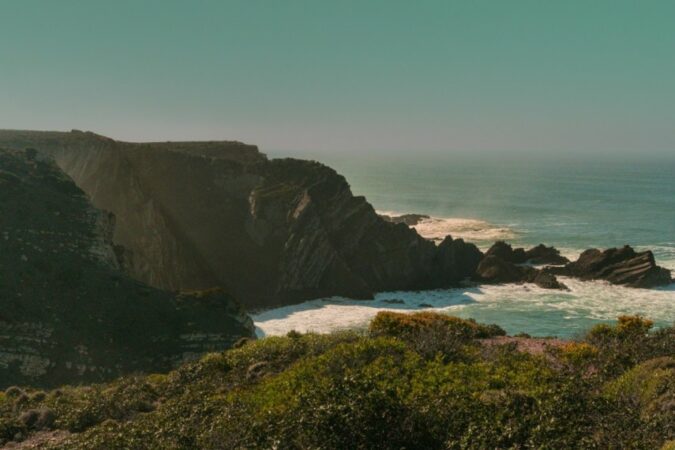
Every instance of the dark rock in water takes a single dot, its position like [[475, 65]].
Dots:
[[455, 261], [407, 219], [622, 266], [394, 301], [493, 269], [545, 280], [67, 313], [425, 305], [542, 254], [505, 252]]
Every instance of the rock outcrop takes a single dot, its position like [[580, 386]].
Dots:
[[408, 219], [67, 312], [538, 255], [495, 270], [455, 261], [622, 266], [196, 215]]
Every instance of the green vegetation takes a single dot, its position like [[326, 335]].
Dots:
[[423, 381]]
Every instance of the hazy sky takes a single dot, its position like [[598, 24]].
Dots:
[[545, 76]]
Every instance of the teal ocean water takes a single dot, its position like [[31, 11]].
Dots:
[[572, 204]]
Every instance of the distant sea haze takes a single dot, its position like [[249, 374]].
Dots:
[[572, 205]]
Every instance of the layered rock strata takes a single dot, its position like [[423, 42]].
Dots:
[[67, 312]]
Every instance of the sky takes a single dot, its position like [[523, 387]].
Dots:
[[572, 76]]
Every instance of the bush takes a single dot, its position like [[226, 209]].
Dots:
[[416, 381], [400, 324], [628, 343]]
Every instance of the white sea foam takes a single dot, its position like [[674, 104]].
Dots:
[[474, 230], [514, 307]]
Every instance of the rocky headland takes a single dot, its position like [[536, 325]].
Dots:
[[194, 215], [194, 230], [272, 232]]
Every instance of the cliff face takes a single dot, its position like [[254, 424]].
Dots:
[[196, 215], [67, 312]]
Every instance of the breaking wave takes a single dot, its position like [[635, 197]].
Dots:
[[516, 308], [473, 230]]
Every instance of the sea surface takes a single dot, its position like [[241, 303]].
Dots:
[[570, 203]]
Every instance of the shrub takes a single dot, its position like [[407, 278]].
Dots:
[[628, 343], [649, 386], [578, 353], [400, 324], [417, 381]]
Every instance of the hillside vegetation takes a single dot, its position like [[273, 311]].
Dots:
[[423, 381]]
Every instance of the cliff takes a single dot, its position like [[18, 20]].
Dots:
[[197, 215], [67, 312], [194, 215]]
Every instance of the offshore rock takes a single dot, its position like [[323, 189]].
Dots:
[[495, 270], [408, 219], [622, 266], [542, 254], [67, 313], [454, 262]]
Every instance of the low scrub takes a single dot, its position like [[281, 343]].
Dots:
[[417, 381]]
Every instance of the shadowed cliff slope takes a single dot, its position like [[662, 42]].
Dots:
[[67, 313], [202, 214], [193, 215]]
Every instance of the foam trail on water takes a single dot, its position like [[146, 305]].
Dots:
[[437, 228], [516, 308]]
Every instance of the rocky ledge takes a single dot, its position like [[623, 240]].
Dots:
[[196, 215]]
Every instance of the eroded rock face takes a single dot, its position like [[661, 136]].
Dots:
[[622, 266], [67, 313], [455, 261], [196, 215], [542, 254], [493, 269]]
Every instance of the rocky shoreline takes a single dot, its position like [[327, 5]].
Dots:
[[502, 263], [97, 231]]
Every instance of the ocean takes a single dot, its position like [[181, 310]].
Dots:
[[570, 203]]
